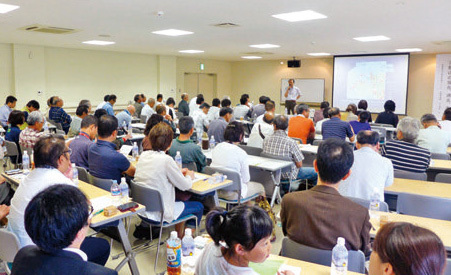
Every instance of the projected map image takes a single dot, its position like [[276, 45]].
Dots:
[[368, 80]]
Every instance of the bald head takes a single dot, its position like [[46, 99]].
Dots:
[[131, 109], [268, 117]]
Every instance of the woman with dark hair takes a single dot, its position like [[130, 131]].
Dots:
[[318, 115], [351, 111], [388, 116], [405, 249], [240, 236], [151, 122], [15, 120], [362, 122], [170, 103], [227, 154], [363, 106]]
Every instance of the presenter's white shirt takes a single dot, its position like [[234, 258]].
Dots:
[[38, 180], [293, 93]]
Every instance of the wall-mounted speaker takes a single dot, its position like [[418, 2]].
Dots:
[[294, 63]]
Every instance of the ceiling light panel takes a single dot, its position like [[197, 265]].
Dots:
[[99, 42], [251, 57], [191, 51], [300, 16], [409, 50], [4, 8], [371, 38], [319, 54], [264, 46], [172, 32]]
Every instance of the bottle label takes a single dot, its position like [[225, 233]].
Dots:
[[174, 256]]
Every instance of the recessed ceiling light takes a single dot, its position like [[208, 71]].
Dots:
[[371, 38], [191, 51], [409, 50], [300, 16], [319, 54], [99, 42], [251, 57], [172, 32], [4, 8], [264, 46]]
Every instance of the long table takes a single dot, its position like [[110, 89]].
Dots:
[[419, 187], [438, 166]]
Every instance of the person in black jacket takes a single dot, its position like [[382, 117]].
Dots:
[[57, 220], [388, 116]]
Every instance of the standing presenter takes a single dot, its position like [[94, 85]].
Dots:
[[291, 95]]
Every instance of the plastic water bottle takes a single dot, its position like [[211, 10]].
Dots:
[[124, 125], [374, 203], [174, 254], [178, 160], [32, 160], [286, 111], [130, 129], [46, 127], [339, 265], [188, 243], [25, 163], [135, 151], [124, 190], [115, 192], [212, 142], [74, 174]]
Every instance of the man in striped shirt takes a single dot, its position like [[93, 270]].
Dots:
[[337, 128], [404, 153]]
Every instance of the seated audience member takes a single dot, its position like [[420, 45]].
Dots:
[[403, 152], [319, 113], [270, 107], [170, 104], [15, 120], [351, 112], [108, 107], [58, 115], [189, 151], [242, 110], [228, 155], [363, 106], [259, 109], [161, 110], [362, 123], [32, 133], [57, 220], [6, 109], [138, 106], [404, 248], [300, 126], [226, 103], [31, 106], [126, 116], [388, 116], [159, 171], [336, 128], [86, 102], [105, 101], [100, 112], [432, 137], [81, 112], [370, 170], [201, 119], [183, 105], [279, 144], [198, 101], [80, 145], [319, 124], [52, 160], [261, 130], [317, 217], [104, 161], [151, 122], [159, 100], [246, 232], [143, 100], [445, 124], [213, 113], [148, 110], [218, 126]]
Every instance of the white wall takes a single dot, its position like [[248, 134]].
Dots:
[[6, 72]]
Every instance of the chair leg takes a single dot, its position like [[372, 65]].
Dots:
[[158, 249]]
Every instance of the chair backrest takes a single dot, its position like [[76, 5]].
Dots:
[[271, 156], [298, 140], [179, 115], [190, 165], [440, 156], [253, 151], [10, 245], [83, 175], [104, 184], [383, 206], [443, 177], [424, 206], [317, 142], [292, 249], [11, 148], [57, 124], [60, 132], [143, 118], [147, 196], [410, 175], [231, 175], [448, 267]]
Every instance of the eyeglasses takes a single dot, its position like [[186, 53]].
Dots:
[[68, 151]]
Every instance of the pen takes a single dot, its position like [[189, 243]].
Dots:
[[98, 212]]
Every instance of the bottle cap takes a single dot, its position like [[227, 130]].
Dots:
[[188, 232], [178, 152], [73, 165], [174, 235], [341, 241]]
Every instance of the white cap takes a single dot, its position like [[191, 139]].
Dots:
[[134, 143], [123, 179], [341, 241], [178, 152], [73, 165], [188, 232], [174, 235]]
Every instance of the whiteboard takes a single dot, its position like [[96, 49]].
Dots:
[[312, 89]]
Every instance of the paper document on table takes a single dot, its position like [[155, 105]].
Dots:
[[126, 149], [101, 202], [295, 269], [198, 177]]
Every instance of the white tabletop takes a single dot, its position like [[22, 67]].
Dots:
[[267, 164], [141, 126], [308, 148]]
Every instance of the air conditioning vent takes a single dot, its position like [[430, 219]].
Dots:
[[48, 29], [226, 25]]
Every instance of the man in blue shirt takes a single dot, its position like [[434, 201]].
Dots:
[[58, 115], [6, 109], [109, 105], [126, 116], [337, 128], [80, 145], [104, 161]]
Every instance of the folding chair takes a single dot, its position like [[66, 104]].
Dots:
[[366, 203], [410, 175], [9, 248], [424, 206]]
